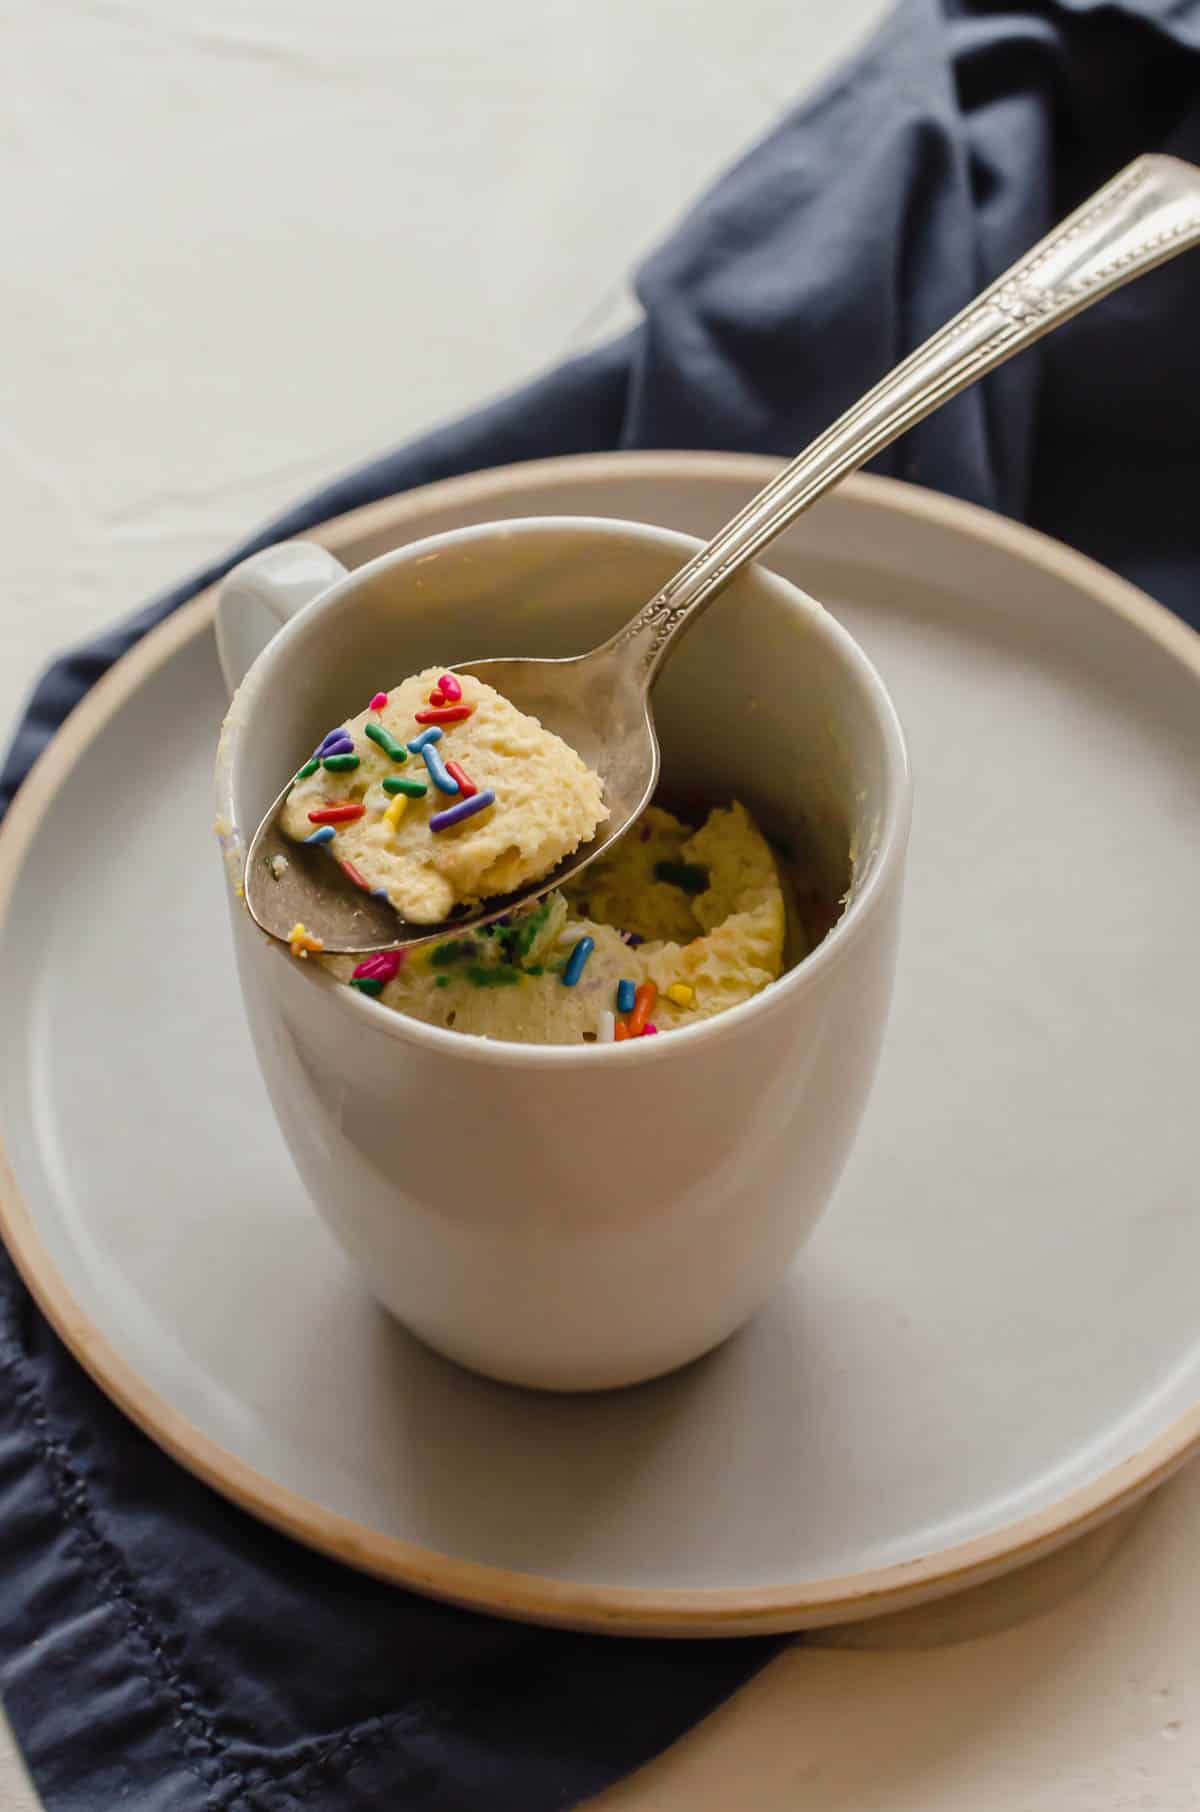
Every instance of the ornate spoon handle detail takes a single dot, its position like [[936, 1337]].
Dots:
[[1145, 215]]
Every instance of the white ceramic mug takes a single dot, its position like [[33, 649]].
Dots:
[[574, 1217]]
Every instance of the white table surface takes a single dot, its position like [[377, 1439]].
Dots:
[[249, 243]]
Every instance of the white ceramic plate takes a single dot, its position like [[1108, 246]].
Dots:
[[992, 1342]]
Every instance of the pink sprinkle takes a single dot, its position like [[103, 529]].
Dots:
[[649, 1031], [450, 687], [384, 966], [378, 702]]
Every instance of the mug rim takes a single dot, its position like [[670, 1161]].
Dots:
[[834, 947]]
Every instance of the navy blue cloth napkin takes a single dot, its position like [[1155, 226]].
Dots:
[[161, 1650]]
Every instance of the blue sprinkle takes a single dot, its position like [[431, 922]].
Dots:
[[419, 743], [324, 834], [379, 893], [466, 808], [444, 782], [625, 995], [576, 960]]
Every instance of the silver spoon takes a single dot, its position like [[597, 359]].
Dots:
[[599, 702]]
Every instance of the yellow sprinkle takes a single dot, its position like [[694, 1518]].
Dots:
[[396, 810], [681, 994], [300, 941]]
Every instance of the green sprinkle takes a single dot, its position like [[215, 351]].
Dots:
[[442, 981], [340, 764], [456, 951], [690, 877], [389, 745], [310, 767], [367, 984], [534, 969], [502, 976], [412, 789], [516, 941]]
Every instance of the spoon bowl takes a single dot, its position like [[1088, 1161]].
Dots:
[[588, 700]]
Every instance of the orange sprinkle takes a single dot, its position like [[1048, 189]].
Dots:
[[643, 1006], [620, 1031], [300, 941]]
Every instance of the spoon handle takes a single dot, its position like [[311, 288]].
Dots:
[[1145, 215]]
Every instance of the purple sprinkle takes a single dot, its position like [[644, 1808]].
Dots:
[[340, 735], [466, 808], [632, 939]]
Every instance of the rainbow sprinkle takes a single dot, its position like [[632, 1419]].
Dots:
[[324, 835], [450, 688], [340, 764], [466, 785], [466, 808], [300, 941], [576, 960], [395, 750], [649, 1031], [437, 771], [382, 965], [378, 702], [420, 743], [310, 767], [681, 994], [643, 1006], [606, 1029], [444, 714], [395, 783], [625, 994], [356, 876], [332, 742], [396, 810], [343, 812], [374, 973]]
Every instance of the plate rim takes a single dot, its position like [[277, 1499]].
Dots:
[[523, 1596]]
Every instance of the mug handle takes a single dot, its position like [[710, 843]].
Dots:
[[258, 597]]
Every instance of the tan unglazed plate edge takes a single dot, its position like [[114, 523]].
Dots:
[[527, 1596]]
